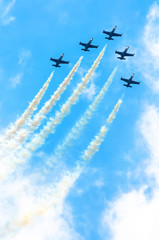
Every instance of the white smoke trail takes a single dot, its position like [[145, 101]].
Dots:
[[76, 130], [8, 166], [33, 124], [61, 190], [39, 139], [28, 112], [12, 160], [113, 113], [22, 135], [96, 142]]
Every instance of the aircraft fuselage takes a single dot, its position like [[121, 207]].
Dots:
[[129, 81], [88, 45], [111, 33], [59, 61], [124, 53]]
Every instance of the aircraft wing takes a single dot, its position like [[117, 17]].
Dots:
[[124, 79], [106, 32], [53, 59], [93, 46], [134, 82], [116, 35], [129, 55], [63, 62], [83, 44], [120, 53]]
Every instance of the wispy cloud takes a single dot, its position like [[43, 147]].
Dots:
[[5, 16], [135, 214], [24, 56], [63, 17], [91, 90], [148, 54], [99, 183], [16, 80], [149, 128]]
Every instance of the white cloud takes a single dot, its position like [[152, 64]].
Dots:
[[16, 80], [135, 215], [79, 191], [149, 127], [5, 12], [50, 226], [90, 91], [82, 71], [55, 224], [63, 17], [99, 183], [33, 211], [148, 54], [24, 56]]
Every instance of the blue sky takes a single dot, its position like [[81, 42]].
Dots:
[[116, 195]]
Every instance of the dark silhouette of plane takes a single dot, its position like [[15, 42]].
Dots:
[[88, 45], [59, 61], [129, 81], [124, 54], [112, 34]]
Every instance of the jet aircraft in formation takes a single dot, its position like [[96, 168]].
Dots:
[[112, 34], [124, 54], [59, 61], [87, 45], [129, 81]]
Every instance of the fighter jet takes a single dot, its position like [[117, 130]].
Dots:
[[129, 81], [88, 45], [59, 61], [112, 34], [124, 54]]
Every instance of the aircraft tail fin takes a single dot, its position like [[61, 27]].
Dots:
[[126, 85]]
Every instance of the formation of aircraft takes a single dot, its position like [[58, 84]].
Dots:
[[59, 61], [129, 81], [112, 34], [124, 54], [89, 44]]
